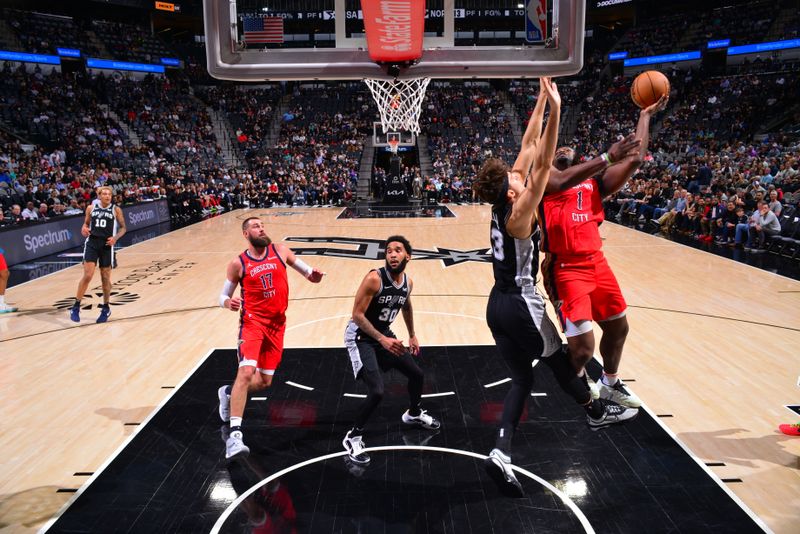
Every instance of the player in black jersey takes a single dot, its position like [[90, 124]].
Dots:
[[516, 311], [99, 230], [374, 348]]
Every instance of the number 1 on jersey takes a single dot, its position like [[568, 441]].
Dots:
[[580, 199]]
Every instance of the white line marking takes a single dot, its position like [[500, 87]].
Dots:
[[355, 395], [444, 394], [538, 394], [561, 495], [124, 444], [301, 386], [705, 468], [258, 398], [493, 384], [301, 325]]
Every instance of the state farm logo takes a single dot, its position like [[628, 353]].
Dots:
[[93, 300]]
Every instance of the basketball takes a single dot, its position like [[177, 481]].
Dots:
[[648, 87]]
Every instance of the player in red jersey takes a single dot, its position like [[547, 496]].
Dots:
[[4, 274], [261, 272], [577, 276]]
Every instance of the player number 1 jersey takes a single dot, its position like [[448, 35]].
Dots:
[[570, 219]]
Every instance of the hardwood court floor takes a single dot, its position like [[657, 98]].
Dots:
[[713, 343]]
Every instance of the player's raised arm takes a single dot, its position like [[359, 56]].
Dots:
[[523, 211], [564, 176], [530, 139], [547, 148], [616, 176]]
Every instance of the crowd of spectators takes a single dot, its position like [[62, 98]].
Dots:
[[464, 123], [705, 173], [43, 33], [314, 159], [740, 22], [704, 164]]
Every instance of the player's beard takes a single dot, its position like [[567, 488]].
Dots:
[[259, 242], [396, 270], [562, 163]]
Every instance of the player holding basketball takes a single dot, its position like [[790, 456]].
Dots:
[[98, 229], [261, 272], [516, 311], [374, 348], [577, 276]]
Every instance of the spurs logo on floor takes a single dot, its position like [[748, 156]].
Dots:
[[93, 299], [373, 249]]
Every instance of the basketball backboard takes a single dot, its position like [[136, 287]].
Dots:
[[404, 137], [543, 37]]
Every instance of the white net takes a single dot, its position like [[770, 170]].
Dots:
[[399, 102]]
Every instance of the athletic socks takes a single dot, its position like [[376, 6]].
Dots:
[[236, 426], [609, 379], [228, 390], [414, 412]]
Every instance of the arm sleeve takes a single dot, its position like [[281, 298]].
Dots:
[[227, 292]]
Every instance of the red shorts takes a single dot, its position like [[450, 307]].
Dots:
[[3, 265], [583, 288], [261, 346]]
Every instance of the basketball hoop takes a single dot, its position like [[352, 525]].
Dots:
[[399, 102]]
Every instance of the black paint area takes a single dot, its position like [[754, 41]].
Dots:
[[173, 477]]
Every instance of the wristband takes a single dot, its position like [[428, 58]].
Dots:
[[301, 267], [227, 292]]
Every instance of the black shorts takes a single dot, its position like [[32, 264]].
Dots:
[[520, 326], [366, 353], [96, 251]]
